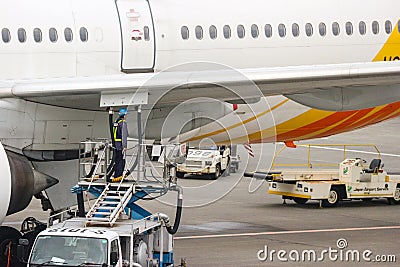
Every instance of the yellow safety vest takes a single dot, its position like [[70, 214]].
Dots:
[[115, 129]]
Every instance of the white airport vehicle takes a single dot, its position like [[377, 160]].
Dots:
[[128, 242], [353, 180], [207, 161], [234, 159]]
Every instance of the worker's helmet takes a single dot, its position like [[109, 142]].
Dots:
[[123, 111]]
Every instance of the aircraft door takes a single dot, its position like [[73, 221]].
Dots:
[[138, 42]]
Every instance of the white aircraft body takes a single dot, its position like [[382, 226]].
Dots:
[[308, 69]]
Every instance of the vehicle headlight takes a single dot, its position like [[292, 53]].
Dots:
[[208, 162]]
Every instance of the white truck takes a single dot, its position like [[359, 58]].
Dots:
[[209, 161], [129, 242], [353, 180]]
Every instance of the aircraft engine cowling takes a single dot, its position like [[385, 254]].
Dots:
[[22, 182], [19, 174], [19, 182], [5, 188]]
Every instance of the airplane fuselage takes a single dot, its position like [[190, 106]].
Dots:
[[47, 38]]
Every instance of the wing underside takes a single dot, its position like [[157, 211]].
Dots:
[[331, 87]]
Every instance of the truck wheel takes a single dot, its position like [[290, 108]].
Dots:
[[217, 172], [180, 174], [396, 199], [300, 201], [366, 200], [333, 198], [7, 235]]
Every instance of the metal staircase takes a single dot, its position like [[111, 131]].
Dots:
[[110, 204]]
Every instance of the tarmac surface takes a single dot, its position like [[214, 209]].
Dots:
[[233, 221]]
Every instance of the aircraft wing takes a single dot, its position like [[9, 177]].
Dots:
[[330, 87]]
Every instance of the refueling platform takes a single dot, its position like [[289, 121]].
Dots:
[[121, 232]]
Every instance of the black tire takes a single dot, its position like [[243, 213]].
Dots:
[[396, 199], [333, 198], [7, 235], [366, 200], [300, 201], [180, 174], [217, 172]]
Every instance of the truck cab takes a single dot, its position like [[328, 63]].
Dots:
[[76, 247], [129, 243]]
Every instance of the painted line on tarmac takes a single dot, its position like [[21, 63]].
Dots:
[[290, 232]]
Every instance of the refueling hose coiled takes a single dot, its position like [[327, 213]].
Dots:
[[173, 229]]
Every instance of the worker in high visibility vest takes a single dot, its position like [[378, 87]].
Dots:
[[120, 131]]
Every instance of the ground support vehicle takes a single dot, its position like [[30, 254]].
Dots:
[[212, 162], [115, 231], [234, 159], [353, 179], [91, 242]]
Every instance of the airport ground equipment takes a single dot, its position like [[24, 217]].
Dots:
[[234, 159], [115, 231], [354, 178], [212, 161]]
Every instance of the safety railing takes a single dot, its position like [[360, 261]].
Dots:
[[309, 164], [95, 162], [62, 216]]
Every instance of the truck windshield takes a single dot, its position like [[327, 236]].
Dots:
[[68, 251]]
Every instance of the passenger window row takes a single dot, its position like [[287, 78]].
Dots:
[[295, 29], [53, 35], [38, 36]]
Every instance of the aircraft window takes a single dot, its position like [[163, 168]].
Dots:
[[5, 34], [37, 35], [398, 26], [362, 27], [227, 32], [84, 34], [295, 29], [199, 32], [213, 32], [282, 30], [68, 35], [268, 30], [146, 31], [53, 35], [21, 35], [254, 31], [185, 32], [349, 28], [240, 31], [309, 29], [322, 29], [388, 27], [335, 28], [375, 27]]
